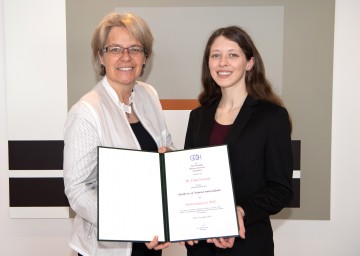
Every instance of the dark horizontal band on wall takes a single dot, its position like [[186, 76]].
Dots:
[[47, 192], [40, 192], [36, 154], [296, 148], [48, 154]]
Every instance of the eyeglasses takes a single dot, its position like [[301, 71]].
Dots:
[[118, 50]]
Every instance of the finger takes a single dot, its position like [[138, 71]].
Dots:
[[240, 213], [191, 242], [153, 243], [242, 228], [162, 246], [224, 242], [162, 150], [217, 243], [231, 242], [228, 242], [149, 246]]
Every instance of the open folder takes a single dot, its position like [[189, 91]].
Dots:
[[178, 196]]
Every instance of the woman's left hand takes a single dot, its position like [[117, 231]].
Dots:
[[154, 244]]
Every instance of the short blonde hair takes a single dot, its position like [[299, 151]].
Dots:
[[134, 24]]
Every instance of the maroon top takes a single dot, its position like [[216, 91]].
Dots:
[[219, 134]]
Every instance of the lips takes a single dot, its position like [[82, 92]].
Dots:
[[224, 73], [125, 68]]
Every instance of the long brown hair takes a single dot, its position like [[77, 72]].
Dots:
[[257, 85]]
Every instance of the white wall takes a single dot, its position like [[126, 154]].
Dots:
[[37, 78], [339, 236]]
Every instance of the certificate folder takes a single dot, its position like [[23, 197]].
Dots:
[[178, 196]]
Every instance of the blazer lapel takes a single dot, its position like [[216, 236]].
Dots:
[[241, 120], [207, 123]]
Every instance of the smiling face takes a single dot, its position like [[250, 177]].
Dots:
[[122, 69], [228, 63]]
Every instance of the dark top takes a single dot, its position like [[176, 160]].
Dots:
[[218, 134], [147, 143], [144, 138], [260, 156]]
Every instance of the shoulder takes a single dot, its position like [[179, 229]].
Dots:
[[273, 116], [267, 113], [271, 108], [87, 104], [146, 95], [94, 96], [81, 112], [263, 106], [144, 88], [211, 107]]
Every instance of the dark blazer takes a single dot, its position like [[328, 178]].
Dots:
[[261, 163]]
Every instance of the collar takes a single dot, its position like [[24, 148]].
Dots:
[[115, 97]]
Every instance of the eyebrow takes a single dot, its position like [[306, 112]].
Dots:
[[133, 45], [217, 50]]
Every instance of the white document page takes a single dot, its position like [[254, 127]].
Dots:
[[200, 194], [129, 194]]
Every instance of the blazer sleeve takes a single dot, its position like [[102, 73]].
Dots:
[[80, 161], [278, 169], [189, 142]]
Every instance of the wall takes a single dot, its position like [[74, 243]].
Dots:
[[335, 237], [279, 33], [40, 56]]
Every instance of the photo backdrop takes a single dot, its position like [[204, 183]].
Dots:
[[294, 37]]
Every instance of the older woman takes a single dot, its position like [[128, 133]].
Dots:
[[120, 112]]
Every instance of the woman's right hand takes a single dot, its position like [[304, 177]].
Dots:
[[228, 242], [190, 242], [164, 149], [241, 215], [222, 242], [154, 244]]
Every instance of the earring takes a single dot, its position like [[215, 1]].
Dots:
[[102, 70], [142, 70]]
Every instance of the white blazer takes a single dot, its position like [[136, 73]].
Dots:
[[98, 119]]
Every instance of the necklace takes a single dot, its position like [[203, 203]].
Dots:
[[128, 115], [128, 110]]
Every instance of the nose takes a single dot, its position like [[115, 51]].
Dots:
[[223, 60], [125, 54]]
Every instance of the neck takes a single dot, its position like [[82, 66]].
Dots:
[[124, 95], [122, 91], [232, 99]]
